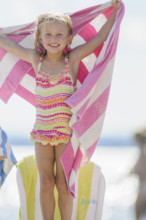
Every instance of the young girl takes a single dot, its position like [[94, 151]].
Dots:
[[56, 75]]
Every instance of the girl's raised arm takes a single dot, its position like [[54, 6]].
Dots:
[[14, 48], [84, 50]]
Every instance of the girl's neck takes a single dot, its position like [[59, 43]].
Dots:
[[54, 57]]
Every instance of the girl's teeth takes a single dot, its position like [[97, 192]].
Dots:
[[53, 45]]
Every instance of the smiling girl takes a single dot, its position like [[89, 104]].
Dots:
[[56, 75]]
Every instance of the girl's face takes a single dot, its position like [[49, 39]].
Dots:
[[55, 36]]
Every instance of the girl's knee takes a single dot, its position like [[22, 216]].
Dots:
[[47, 183], [61, 186]]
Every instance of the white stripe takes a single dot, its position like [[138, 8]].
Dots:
[[78, 84], [29, 83], [103, 82], [7, 165], [38, 213], [6, 65], [28, 41], [75, 201], [77, 41], [81, 103], [101, 190], [30, 30], [22, 195], [85, 159], [92, 59], [72, 178], [94, 193], [75, 143], [105, 46], [95, 130], [9, 149], [98, 22]]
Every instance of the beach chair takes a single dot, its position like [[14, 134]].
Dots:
[[90, 188]]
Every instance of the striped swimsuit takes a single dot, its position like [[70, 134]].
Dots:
[[52, 113]]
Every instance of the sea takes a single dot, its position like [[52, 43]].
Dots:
[[121, 183]]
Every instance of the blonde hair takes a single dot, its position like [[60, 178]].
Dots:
[[47, 18]]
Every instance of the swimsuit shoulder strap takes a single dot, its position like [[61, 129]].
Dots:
[[39, 64], [68, 69], [67, 63]]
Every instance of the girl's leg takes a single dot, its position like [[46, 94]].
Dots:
[[65, 201], [45, 163]]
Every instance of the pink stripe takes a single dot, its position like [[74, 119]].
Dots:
[[108, 12], [82, 109], [84, 33], [97, 52], [77, 160], [83, 72], [72, 190], [94, 112], [67, 162], [31, 72], [27, 95], [91, 149], [27, 28], [17, 38], [12, 82], [70, 162]]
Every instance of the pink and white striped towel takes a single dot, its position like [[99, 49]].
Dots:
[[89, 102]]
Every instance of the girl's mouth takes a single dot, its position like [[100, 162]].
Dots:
[[54, 45]]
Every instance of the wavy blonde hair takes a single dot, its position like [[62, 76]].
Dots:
[[47, 18]]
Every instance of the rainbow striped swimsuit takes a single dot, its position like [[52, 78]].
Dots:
[[52, 113]]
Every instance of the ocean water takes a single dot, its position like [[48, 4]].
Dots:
[[121, 185]]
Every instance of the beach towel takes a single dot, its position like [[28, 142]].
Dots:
[[88, 104], [90, 188], [9, 159]]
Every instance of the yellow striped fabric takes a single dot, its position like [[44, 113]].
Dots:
[[87, 205]]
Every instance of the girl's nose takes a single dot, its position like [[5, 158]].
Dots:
[[53, 37]]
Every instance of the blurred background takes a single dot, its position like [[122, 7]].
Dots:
[[117, 152]]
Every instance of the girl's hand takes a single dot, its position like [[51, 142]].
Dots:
[[116, 4]]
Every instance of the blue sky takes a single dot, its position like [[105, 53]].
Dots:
[[126, 110]]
